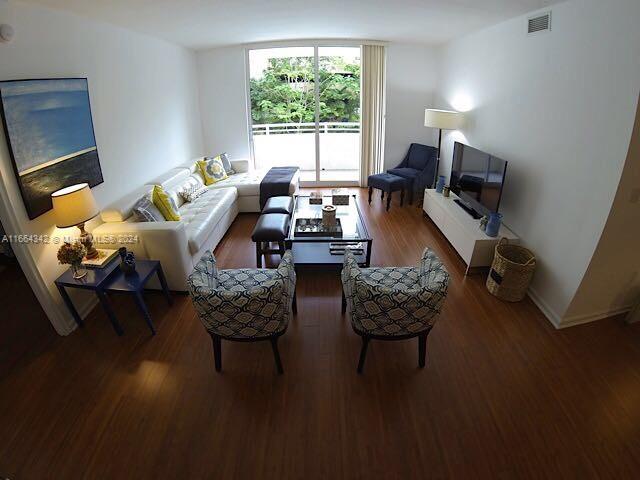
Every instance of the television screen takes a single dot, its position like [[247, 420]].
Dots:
[[477, 178]]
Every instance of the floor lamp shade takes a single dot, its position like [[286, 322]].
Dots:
[[442, 119], [74, 205]]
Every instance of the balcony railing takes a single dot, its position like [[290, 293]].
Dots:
[[280, 144], [289, 128]]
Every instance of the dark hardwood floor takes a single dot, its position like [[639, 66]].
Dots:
[[504, 394]]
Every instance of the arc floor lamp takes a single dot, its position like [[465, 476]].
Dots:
[[442, 120]]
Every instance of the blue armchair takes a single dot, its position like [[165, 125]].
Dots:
[[418, 168]]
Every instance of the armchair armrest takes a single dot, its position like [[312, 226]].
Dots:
[[350, 271]]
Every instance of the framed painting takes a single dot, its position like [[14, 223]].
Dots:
[[50, 135]]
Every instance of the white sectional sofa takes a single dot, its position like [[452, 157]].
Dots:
[[179, 245]]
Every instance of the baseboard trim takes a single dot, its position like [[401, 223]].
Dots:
[[592, 317], [560, 323], [546, 310]]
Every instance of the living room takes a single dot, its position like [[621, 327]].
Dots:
[[545, 386]]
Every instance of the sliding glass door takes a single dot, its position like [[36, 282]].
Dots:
[[305, 111]]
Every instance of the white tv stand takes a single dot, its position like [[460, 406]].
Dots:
[[463, 231]]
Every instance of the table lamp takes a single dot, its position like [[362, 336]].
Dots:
[[72, 207], [442, 120]]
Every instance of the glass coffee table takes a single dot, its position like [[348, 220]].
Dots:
[[329, 249]]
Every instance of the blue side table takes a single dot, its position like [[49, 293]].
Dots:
[[112, 279]]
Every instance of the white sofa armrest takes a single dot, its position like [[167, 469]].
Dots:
[[163, 241], [240, 165]]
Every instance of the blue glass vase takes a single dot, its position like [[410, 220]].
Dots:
[[440, 185], [493, 224]]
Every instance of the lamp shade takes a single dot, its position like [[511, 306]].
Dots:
[[74, 205], [443, 119]]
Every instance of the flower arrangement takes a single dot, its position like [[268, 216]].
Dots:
[[71, 253]]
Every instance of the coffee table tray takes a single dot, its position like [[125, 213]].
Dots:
[[313, 227]]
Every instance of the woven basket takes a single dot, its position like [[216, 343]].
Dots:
[[511, 271]]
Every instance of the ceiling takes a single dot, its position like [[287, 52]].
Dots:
[[201, 24]]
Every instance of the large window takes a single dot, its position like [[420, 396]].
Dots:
[[305, 111]]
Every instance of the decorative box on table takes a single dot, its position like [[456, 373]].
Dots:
[[340, 196], [315, 198]]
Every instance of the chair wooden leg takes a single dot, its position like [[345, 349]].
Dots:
[[370, 192], [276, 354], [294, 305], [344, 302], [217, 351], [402, 197], [363, 353], [281, 249], [259, 254], [382, 194], [422, 349], [389, 201]]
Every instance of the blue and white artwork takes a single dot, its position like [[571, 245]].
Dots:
[[49, 129]]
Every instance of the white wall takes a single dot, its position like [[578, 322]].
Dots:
[[412, 76], [144, 103], [411, 82], [223, 97], [559, 106], [611, 284]]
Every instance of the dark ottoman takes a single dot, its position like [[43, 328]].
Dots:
[[278, 205], [271, 227], [387, 183]]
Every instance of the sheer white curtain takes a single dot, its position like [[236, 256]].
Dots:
[[373, 111]]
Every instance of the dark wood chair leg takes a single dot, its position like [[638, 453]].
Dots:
[[217, 351], [281, 248], [389, 201], [259, 254], [370, 192], [363, 353], [402, 197], [382, 194], [422, 349], [344, 302], [294, 305], [276, 354]]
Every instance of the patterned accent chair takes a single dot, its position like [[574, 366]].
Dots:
[[244, 305], [394, 303]]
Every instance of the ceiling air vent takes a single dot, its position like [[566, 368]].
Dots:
[[540, 23]]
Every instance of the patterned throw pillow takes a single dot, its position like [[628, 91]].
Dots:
[[226, 163], [212, 170], [145, 211], [191, 193], [165, 204]]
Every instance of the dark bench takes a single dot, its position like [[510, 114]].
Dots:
[[387, 183], [272, 226]]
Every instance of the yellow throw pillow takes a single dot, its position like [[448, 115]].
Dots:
[[212, 170], [165, 204]]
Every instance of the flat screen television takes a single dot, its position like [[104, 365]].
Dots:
[[477, 179]]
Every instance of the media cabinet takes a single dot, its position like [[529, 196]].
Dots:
[[463, 231]]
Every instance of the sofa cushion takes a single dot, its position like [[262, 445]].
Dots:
[[226, 163], [212, 170], [247, 183], [201, 216], [192, 192], [165, 204], [173, 182], [404, 172], [145, 211]]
